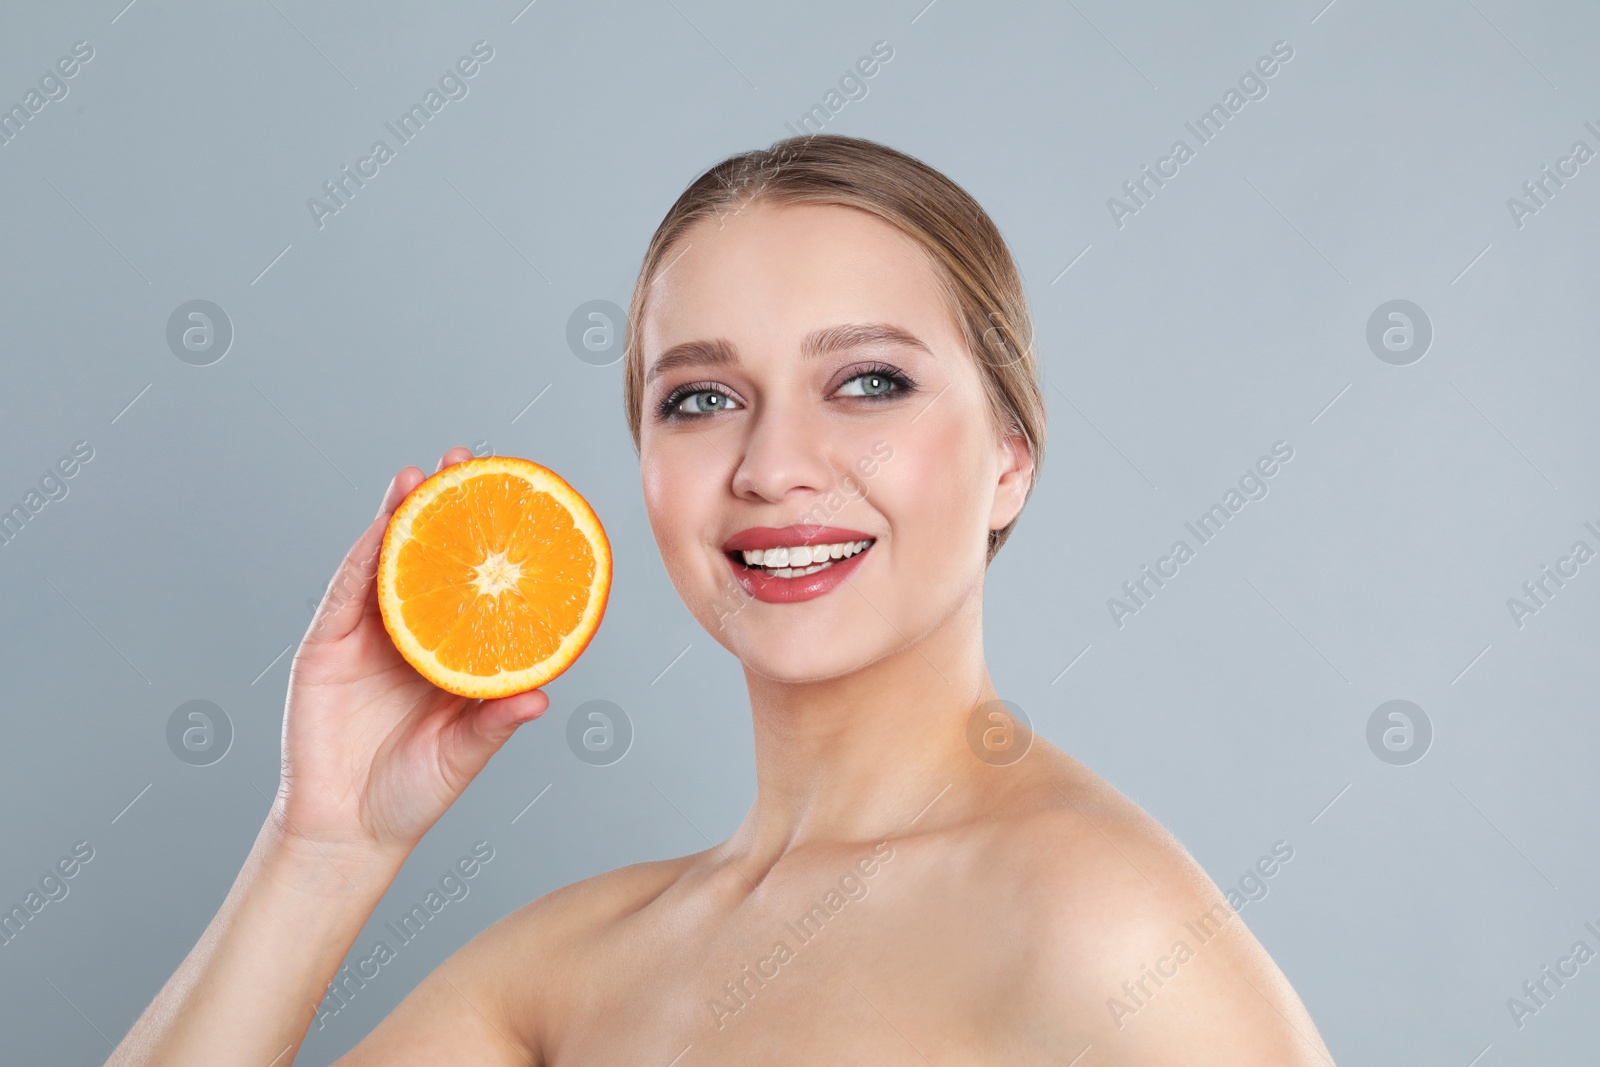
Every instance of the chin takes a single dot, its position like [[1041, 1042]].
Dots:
[[797, 666]]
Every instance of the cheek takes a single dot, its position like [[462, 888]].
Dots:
[[664, 487], [681, 487], [931, 492]]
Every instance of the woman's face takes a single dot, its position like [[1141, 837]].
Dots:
[[845, 408]]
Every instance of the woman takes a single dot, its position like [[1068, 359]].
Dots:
[[828, 345]]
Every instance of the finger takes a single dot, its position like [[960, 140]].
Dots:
[[515, 709], [399, 486], [455, 455], [483, 730], [352, 585]]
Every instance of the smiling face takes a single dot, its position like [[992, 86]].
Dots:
[[815, 375]]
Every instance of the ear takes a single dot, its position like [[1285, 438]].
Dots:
[[1015, 477]]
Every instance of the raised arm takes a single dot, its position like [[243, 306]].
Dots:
[[373, 754]]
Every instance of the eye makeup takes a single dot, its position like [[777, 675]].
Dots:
[[898, 384]]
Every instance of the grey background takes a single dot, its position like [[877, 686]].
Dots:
[[1228, 314]]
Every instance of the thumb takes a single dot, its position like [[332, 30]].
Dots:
[[481, 731], [345, 601]]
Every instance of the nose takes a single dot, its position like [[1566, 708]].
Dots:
[[786, 449]]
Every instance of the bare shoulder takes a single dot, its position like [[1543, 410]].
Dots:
[[1129, 944], [565, 920], [489, 1003]]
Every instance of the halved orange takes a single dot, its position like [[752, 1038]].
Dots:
[[493, 576]]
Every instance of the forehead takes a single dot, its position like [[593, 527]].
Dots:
[[772, 273]]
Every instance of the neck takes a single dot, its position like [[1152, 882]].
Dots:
[[876, 753]]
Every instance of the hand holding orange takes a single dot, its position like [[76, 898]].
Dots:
[[493, 577], [483, 581]]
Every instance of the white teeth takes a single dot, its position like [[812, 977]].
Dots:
[[799, 572], [799, 560]]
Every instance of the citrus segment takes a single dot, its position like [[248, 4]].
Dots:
[[493, 576]]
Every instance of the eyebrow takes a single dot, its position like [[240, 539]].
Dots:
[[818, 343]]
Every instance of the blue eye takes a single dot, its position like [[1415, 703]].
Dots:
[[699, 399], [877, 383], [689, 401]]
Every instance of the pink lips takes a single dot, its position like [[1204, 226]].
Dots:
[[772, 590]]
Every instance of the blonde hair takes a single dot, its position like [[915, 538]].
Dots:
[[971, 259]]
